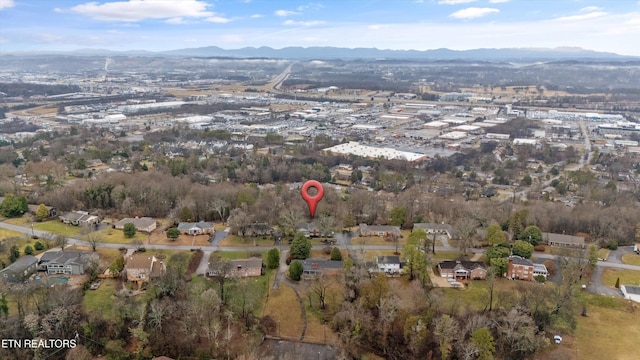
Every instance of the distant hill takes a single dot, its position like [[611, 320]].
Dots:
[[528, 54], [506, 54]]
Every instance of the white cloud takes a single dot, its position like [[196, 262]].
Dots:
[[498, 1], [589, 9], [588, 16], [137, 10], [175, 20], [218, 19], [284, 13], [256, 16], [473, 12], [5, 4], [455, 2], [304, 23]]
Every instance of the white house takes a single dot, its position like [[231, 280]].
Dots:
[[631, 292], [388, 264]]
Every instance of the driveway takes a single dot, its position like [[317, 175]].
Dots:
[[219, 235], [596, 286]]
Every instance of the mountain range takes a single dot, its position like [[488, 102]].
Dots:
[[503, 54]]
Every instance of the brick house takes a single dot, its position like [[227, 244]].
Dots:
[[462, 270], [312, 268], [379, 230], [523, 269]]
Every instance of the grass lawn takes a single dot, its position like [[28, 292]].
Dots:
[[21, 242], [21, 221], [232, 255], [284, 308], [5, 234], [101, 300], [219, 226], [114, 236], [57, 227], [608, 333], [445, 255], [631, 259], [630, 277], [603, 253], [375, 240], [235, 240], [370, 255]]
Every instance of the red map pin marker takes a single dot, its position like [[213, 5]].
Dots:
[[312, 201]]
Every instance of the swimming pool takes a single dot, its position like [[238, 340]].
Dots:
[[58, 280]]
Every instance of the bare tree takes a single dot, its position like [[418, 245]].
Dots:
[[94, 239], [465, 228], [320, 287]]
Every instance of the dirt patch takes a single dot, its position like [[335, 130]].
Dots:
[[283, 349]]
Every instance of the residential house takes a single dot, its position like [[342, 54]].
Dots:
[[309, 229], [462, 270], [379, 230], [562, 240], [436, 228], [390, 265], [20, 270], [239, 268], [66, 262], [79, 218], [196, 228], [631, 292], [256, 229], [523, 269], [34, 208], [141, 267], [143, 224], [313, 268]]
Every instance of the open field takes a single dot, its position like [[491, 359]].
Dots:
[[631, 259], [21, 221], [630, 277], [115, 236], [235, 240], [608, 332], [284, 309], [57, 227]]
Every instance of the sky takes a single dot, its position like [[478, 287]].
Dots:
[[157, 25]]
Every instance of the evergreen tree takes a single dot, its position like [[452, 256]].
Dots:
[[300, 247], [295, 270]]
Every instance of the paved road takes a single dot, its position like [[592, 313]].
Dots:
[[211, 248]]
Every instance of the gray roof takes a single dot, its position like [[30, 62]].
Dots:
[[142, 222], [319, 264], [22, 263], [67, 257], [468, 265], [632, 289], [390, 259], [520, 260], [562, 238], [380, 228], [184, 226]]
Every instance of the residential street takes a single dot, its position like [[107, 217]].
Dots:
[[341, 244]]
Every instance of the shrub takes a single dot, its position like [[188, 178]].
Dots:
[[336, 255], [38, 245], [273, 258], [129, 230], [540, 278], [613, 245], [539, 248], [173, 233], [28, 250], [327, 250], [295, 270]]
